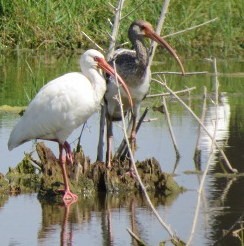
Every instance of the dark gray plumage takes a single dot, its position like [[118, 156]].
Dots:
[[132, 65]]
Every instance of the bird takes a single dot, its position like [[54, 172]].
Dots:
[[132, 65], [62, 105]]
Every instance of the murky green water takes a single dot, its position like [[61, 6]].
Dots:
[[104, 219]]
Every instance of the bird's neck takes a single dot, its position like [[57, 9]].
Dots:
[[98, 83], [141, 53]]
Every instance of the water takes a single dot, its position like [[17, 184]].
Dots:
[[104, 220]]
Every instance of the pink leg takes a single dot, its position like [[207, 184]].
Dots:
[[69, 154], [68, 197]]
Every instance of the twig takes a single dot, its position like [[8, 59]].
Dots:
[[197, 149], [173, 236], [180, 73], [230, 230], [138, 240], [153, 46], [199, 121], [190, 28], [168, 94], [109, 55], [79, 138], [122, 151], [115, 29], [199, 196], [99, 47], [133, 10], [200, 190], [171, 129]]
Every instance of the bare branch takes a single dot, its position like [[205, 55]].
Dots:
[[110, 53], [180, 73], [173, 236], [115, 29], [171, 129], [133, 10], [191, 28], [199, 121], [168, 94], [200, 190], [138, 240], [99, 47], [158, 30], [197, 150]]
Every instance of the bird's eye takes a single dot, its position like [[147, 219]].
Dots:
[[143, 28], [96, 58]]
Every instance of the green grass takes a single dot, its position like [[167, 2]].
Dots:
[[58, 24]]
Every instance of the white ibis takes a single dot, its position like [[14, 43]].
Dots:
[[133, 67], [62, 105]]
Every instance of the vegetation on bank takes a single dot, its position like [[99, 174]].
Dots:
[[58, 24]]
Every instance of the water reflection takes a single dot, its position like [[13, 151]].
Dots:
[[103, 220], [96, 216], [226, 193], [217, 122]]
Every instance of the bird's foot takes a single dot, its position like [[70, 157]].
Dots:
[[131, 173], [69, 198], [68, 158]]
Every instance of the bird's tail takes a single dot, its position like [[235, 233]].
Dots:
[[16, 136]]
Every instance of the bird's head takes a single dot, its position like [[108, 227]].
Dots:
[[141, 29], [94, 59]]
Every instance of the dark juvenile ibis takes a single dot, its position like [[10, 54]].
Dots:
[[61, 106], [132, 65]]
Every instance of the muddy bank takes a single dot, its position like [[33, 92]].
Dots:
[[44, 176]]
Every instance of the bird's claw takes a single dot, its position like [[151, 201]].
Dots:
[[69, 158], [69, 198]]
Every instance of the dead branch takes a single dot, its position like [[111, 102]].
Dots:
[[180, 73], [122, 151], [171, 129], [197, 149], [173, 236], [191, 28], [110, 53], [200, 190], [90, 39], [138, 240], [115, 30], [133, 10], [228, 165], [153, 46], [168, 94]]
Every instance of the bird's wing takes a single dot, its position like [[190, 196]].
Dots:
[[56, 110]]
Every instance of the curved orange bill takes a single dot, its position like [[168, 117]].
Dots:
[[154, 36], [107, 68]]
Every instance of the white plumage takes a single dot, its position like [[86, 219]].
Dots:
[[57, 110], [62, 105]]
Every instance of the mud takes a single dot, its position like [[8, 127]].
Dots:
[[44, 176]]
